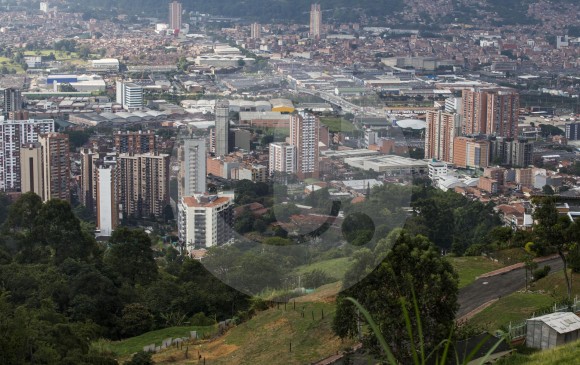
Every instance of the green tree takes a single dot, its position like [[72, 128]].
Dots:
[[412, 270], [131, 256], [554, 231], [136, 319]]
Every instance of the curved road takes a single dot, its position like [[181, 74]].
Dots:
[[483, 290]]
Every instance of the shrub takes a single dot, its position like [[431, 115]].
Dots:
[[200, 319], [316, 278], [541, 273]]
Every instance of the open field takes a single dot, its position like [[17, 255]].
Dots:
[[274, 336], [4, 61], [470, 267], [59, 55], [554, 284], [337, 124], [513, 308]]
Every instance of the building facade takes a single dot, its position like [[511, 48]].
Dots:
[[255, 30], [282, 158], [193, 169], [107, 215], [470, 153], [31, 168], [12, 100], [135, 142], [503, 113], [129, 95], [175, 11]]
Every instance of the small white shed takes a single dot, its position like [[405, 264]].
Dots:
[[552, 330]]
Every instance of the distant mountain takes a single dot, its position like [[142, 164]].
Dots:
[[260, 10]]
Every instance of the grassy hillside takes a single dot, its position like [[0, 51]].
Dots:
[[135, 344], [335, 268], [274, 336], [565, 355], [470, 267]]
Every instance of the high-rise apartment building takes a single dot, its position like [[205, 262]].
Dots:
[[490, 111], [12, 100], [31, 168], [193, 171], [222, 127], [509, 151], [573, 131], [255, 30], [13, 134], [205, 220], [503, 113], [129, 95], [304, 135], [315, 21], [135, 142], [282, 158], [142, 184], [440, 132], [106, 203], [56, 166], [175, 15]]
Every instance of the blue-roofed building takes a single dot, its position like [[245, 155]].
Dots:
[[51, 79]]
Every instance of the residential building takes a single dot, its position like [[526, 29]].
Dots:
[[205, 220], [12, 100], [253, 172], [175, 11], [193, 171], [474, 119], [573, 131], [56, 177], [315, 21], [503, 113], [107, 215], [142, 184], [437, 169], [282, 158], [525, 177], [222, 127], [304, 135], [507, 151], [440, 131], [135, 142], [13, 134], [31, 168], [129, 95], [255, 30]]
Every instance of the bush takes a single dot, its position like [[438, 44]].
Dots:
[[316, 278], [200, 319], [541, 273]]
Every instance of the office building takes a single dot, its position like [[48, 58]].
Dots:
[[193, 171], [12, 100], [106, 203], [205, 221], [13, 134], [282, 158], [135, 142], [175, 15], [129, 95], [142, 184], [222, 127], [573, 131], [255, 30], [56, 162], [437, 169], [315, 21], [470, 152], [304, 135], [31, 168], [440, 131]]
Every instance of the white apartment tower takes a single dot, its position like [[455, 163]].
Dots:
[[255, 31], [282, 158], [13, 134], [193, 170], [305, 135]]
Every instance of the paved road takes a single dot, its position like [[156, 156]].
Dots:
[[483, 290]]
